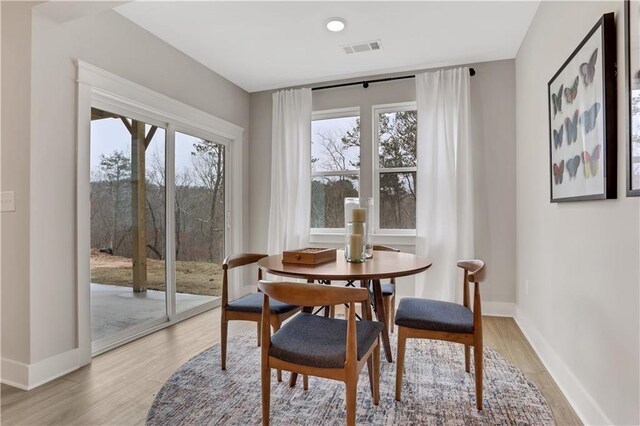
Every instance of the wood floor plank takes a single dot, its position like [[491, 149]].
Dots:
[[15, 401], [562, 411], [102, 412], [119, 386]]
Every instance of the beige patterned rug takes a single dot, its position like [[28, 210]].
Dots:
[[436, 390]]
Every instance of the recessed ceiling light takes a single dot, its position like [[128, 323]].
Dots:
[[336, 24]]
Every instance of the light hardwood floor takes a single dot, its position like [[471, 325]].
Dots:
[[119, 386]]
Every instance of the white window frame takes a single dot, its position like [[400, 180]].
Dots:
[[101, 89], [326, 115], [376, 110]]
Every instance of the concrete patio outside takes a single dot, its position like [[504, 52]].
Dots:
[[116, 308]]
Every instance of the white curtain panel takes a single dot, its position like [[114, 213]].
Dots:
[[290, 208], [444, 182]]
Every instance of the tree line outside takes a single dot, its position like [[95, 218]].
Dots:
[[338, 160], [199, 218], [199, 201]]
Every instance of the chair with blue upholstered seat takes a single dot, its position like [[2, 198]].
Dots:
[[248, 307], [319, 346], [388, 290], [434, 319]]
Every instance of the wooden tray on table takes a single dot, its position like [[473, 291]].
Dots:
[[309, 256]]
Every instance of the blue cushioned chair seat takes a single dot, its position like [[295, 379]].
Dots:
[[388, 289], [434, 315], [253, 303], [320, 342]]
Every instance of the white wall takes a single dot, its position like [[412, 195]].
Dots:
[[493, 114], [578, 275], [16, 66], [113, 43]]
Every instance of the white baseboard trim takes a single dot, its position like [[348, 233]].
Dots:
[[30, 376], [15, 374], [53, 367], [498, 309], [583, 404]]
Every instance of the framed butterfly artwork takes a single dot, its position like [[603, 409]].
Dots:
[[632, 48], [583, 119]]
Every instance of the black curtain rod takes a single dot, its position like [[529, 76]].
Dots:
[[365, 83]]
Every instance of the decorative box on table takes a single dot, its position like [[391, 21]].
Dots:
[[309, 256]]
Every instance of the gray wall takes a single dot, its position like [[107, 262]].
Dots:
[[16, 97], [42, 282], [493, 114], [578, 275]]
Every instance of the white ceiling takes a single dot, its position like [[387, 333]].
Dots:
[[267, 45]]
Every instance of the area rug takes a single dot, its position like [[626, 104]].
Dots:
[[436, 390]]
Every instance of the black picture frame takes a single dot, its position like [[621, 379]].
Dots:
[[584, 166], [632, 84]]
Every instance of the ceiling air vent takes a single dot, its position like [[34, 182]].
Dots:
[[364, 46]]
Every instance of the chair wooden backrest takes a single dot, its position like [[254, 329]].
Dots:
[[474, 272], [381, 247], [316, 294], [234, 261]]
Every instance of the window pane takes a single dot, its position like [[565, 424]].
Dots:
[[127, 223], [398, 200], [200, 220], [635, 139], [397, 133], [327, 199], [335, 144]]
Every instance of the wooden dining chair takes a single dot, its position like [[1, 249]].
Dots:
[[248, 307], [434, 319], [388, 290], [314, 345]]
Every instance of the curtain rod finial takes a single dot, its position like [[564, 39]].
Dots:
[[472, 72]]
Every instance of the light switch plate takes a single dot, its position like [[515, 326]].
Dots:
[[7, 201]]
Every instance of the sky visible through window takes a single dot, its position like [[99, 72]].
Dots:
[[327, 150]]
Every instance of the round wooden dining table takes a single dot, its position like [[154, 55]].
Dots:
[[383, 265]]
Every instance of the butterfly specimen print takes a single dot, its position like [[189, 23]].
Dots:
[[572, 166], [557, 137], [588, 118], [591, 161], [557, 101], [572, 128], [588, 69], [582, 115], [558, 172], [570, 93]]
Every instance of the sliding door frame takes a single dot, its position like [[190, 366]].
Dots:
[[101, 89]]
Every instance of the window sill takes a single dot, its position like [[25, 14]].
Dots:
[[337, 238]]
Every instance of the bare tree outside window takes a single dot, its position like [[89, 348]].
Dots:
[[335, 164], [199, 207], [335, 167], [112, 179], [397, 161], [199, 215], [127, 202]]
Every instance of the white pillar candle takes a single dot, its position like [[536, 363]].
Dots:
[[359, 214], [357, 228], [355, 246]]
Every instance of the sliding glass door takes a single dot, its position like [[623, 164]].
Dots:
[[137, 170], [199, 219]]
